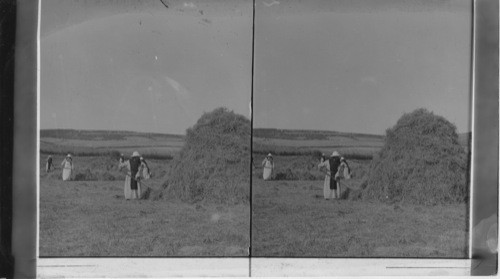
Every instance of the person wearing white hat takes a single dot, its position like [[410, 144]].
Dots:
[[268, 165], [331, 187], [67, 165], [132, 187]]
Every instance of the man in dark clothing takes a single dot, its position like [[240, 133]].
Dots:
[[334, 167], [48, 167], [331, 186], [135, 163]]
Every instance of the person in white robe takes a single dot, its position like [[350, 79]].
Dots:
[[67, 165], [146, 172], [343, 173], [268, 165], [344, 169], [132, 186]]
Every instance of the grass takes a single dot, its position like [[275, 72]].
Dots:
[[291, 219], [91, 218]]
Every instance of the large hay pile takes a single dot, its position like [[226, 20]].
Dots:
[[421, 162], [214, 163]]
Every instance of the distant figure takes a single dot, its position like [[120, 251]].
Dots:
[[268, 165], [146, 172], [323, 157], [67, 165], [331, 187], [132, 187], [48, 165]]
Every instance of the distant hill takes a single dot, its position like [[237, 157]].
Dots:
[[307, 134], [99, 143], [100, 134], [309, 142], [303, 142]]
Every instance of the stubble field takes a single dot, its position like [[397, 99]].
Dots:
[[89, 216], [292, 219], [92, 218]]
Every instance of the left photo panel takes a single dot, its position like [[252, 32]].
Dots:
[[145, 131]]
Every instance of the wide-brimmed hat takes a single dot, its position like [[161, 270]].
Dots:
[[136, 154], [269, 155], [335, 154], [69, 155]]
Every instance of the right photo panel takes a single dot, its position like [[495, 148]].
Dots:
[[361, 128]]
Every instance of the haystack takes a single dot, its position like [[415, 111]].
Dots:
[[421, 162], [213, 165]]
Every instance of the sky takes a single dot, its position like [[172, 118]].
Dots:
[[358, 66], [342, 65], [147, 66]]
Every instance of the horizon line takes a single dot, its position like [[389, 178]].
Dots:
[[112, 131], [183, 135]]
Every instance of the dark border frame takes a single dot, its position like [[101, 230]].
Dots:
[[485, 136], [24, 198], [7, 52]]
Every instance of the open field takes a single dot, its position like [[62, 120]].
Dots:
[[291, 219], [91, 218]]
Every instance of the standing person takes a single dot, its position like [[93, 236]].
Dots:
[[132, 187], [344, 169], [343, 172], [268, 165], [331, 189], [67, 165], [146, 172], [48, 165]]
